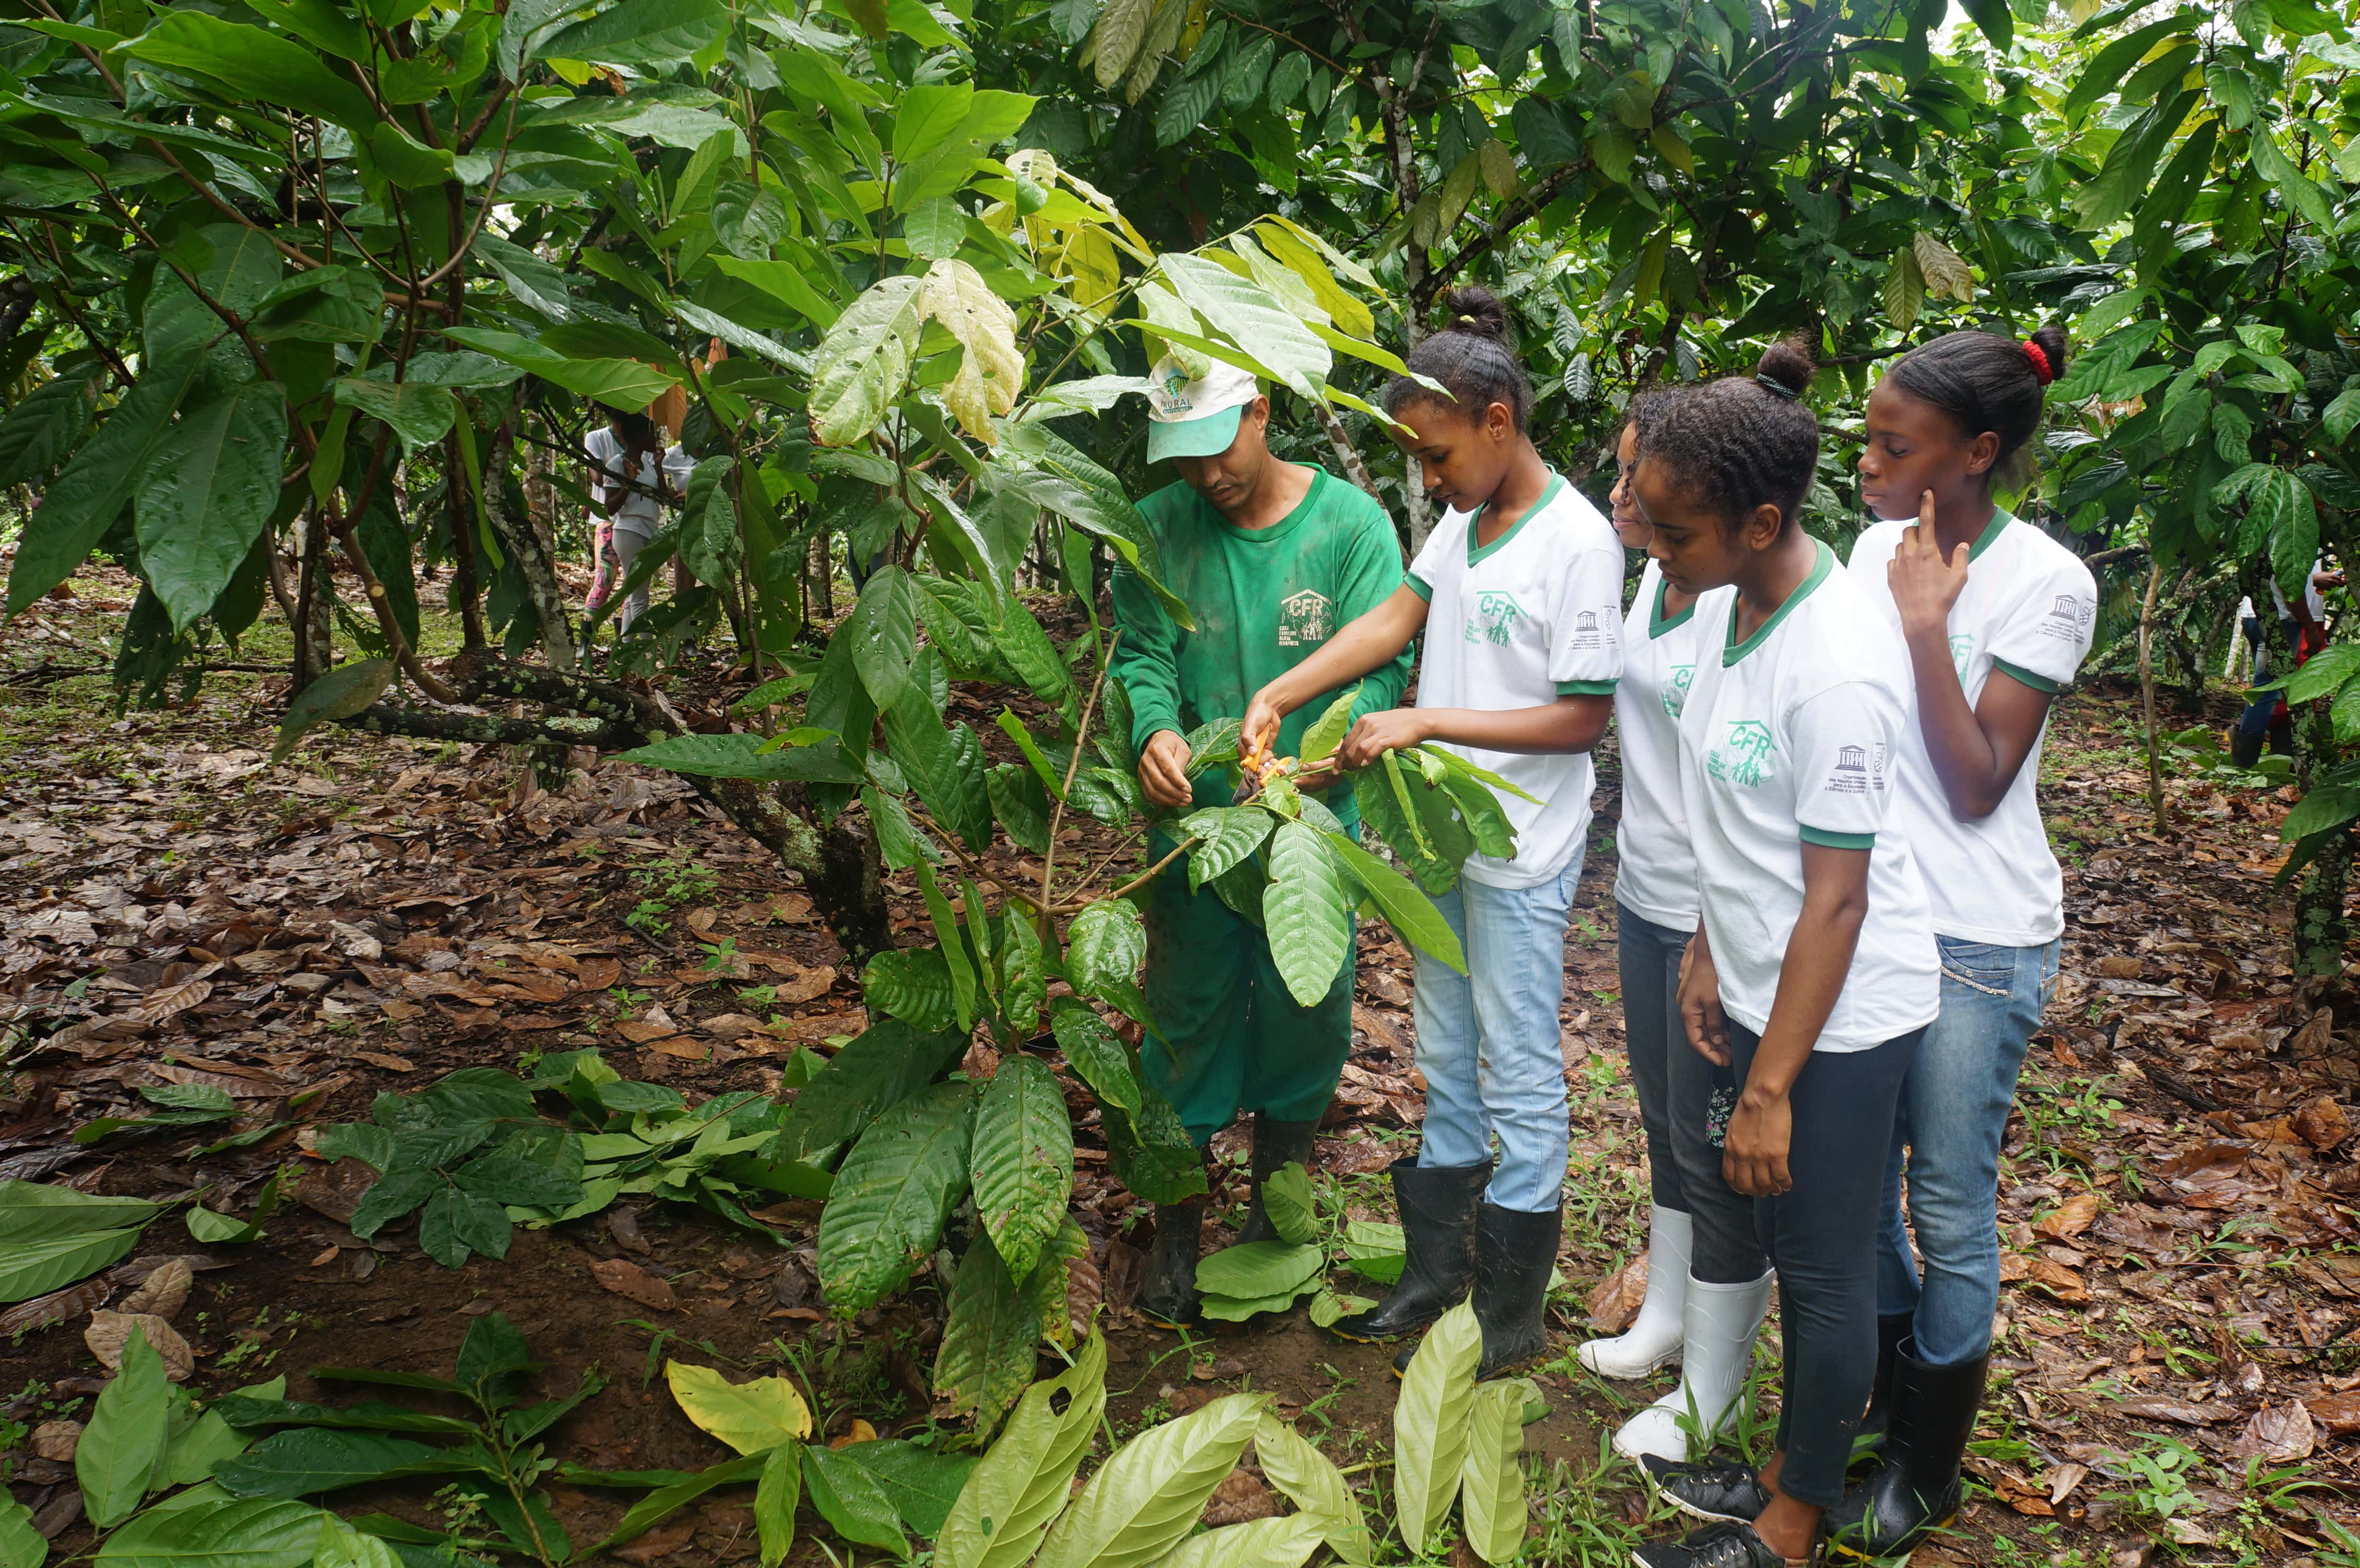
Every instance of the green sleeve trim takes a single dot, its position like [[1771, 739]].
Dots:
[[1419, 587], [1827, 840], [2023, 676], [1585, 688]]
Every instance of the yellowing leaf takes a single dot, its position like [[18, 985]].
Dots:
[[1947, 274], [1095, 266], [991, 371], [749, 1417], [1349, 314], [1122, 28]]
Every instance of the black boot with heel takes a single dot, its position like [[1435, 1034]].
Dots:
[[1437, 1207]]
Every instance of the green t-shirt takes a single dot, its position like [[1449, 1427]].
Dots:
[[1264, 599]]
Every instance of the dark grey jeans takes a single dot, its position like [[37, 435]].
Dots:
[[1677, 1092], [1821, 1236]]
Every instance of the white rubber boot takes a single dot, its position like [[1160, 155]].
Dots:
[[1653, 1337], [1721, 1324]]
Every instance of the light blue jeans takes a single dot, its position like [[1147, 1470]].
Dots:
[[1489, 1040], [1952, 1120]]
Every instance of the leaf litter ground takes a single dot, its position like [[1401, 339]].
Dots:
[[2176, 1350]]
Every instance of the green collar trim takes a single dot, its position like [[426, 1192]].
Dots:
[[1656, 625], [1477, 555], [1819, 570], [2000, 519]]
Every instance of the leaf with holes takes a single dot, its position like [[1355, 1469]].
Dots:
[[885, 1213], [863, 364], [1022, 1164]]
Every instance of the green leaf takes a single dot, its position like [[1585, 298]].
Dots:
[[1492, 1482], [2326, 806], [912, 984], [623, 383], [638, 32], [339, 694], [1259, 1268], [1095, 1053], [1995, 20], [21, 1546], [419, 415], [957, 962], [1327, 732], [991, 1340], [1258, 1543], [883, 627], [1286, 1199], [852, 1501], [1020, 1484], [1105, 945], [217, 1229], [307, 1460], [37, 1211], [1264, 331], [2342, 414], [886, 1211], [43, 429], [2323, 672], [1407, 910], [511, 1179], [1030, 654], [127, 1430], [752, 1417], [1307, 918], [1430, 1423], [455, 1223], [1146, 1497], [1021, 1163], [1315, 1485], [1019, 805], [261, 1532], [743, 755], [658, 1505], [2114, 63], [924, 1483], [863, 363], [99, 481], [255, 65], [774, 1502], [38, 1267], [1230, 835], [1240, 1309]]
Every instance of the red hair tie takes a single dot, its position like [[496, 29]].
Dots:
[[2040, 368]]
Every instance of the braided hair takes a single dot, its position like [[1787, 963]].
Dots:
[[1470, 357], [1740, 441], [1984, 382]]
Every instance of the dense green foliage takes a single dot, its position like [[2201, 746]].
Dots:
[[293, 289]]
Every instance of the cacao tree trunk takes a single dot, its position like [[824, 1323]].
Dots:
[[314, 652], [534, 557], [467, 579]]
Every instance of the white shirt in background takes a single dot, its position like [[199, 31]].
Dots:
[[1656, 872], [629, 508]]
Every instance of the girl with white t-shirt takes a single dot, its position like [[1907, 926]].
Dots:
[[1996, 617], [630, 469], [1519, 593], [1812, 968], [1707, 1282]]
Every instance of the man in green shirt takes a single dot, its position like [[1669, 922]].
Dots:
[[1271, 558]]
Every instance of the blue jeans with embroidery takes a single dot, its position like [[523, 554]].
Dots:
[[1490, 1043], [1952, 1120]]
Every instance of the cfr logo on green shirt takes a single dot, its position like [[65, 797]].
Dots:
[[1303, 620], [1494, 620], [1743, 754]]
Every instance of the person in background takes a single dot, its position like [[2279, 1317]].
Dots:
[[1812, 970], [632, 477], [1708, 1281], [1270, 557], [2266, 718], [1996, 617], [1519, 592]]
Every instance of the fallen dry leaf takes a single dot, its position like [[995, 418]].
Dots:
[[658, 1543], [2041, 1273], [800, 983], [110, 1332], [1615, 1300], [2119, 966], [55, 1440], [2280, 1433], [163, 1292], [2322, 1123], [1240, 1496], [627, 1279], [2339, 1413], [2072, 1218]]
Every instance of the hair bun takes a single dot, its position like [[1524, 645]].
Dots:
[[1786, 367], [1477, 311], [2050, 341]]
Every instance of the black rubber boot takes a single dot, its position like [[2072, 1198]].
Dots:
[[1514, 1253], [1167, 1296], [1438, 1206], [1915, 1489], [1890, 1332], [1275, 1145]]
